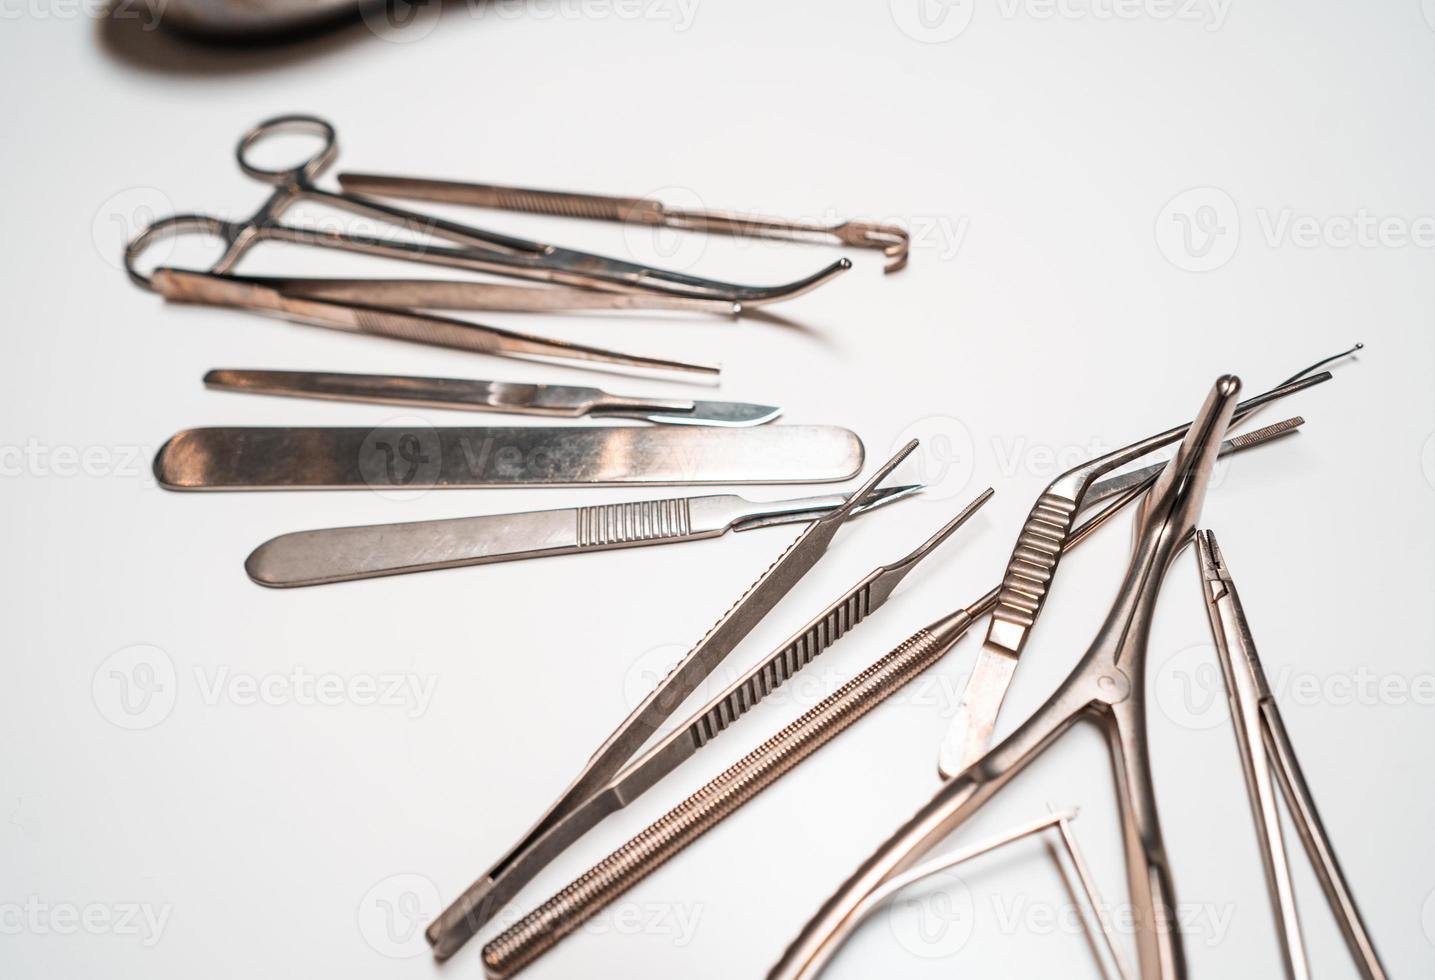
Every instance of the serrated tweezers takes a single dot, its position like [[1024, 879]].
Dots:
[[605, 786]]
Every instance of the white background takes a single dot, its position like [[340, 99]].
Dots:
[[1062, 299]]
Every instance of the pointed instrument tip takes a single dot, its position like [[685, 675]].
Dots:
[[1213, 567]]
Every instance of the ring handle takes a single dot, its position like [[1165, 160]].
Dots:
[[301, 173], [166, 228]]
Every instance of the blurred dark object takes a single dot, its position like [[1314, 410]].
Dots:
[[254, 19]]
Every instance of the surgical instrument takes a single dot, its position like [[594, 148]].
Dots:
[[891, 239], [1265, 748], [464, 294], [342, 554], [600, 789], [465, 246], [421, 456], [539, 931], [216, 289], [1028, 576], [1061, 822], [1107, 686], [509, 397], [723, 795]]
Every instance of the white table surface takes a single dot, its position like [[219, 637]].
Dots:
[[177, 799]]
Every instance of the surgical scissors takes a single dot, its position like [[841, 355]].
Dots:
[[467, 247], [1265, 748], [1107, 686]]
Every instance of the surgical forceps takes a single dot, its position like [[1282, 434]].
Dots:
[[1107, 686], [1028, 577], [892, 240], [598, 790], [466, 247], [1265, 747], [723, 795]]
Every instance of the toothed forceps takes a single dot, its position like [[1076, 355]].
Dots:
[[1107, 686], [467, 247]]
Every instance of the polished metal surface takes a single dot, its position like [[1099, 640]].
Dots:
[[540, 930], [342, 554], [422, 457], [462, 294], [213, 289], [1108, 686], [891, 239], [593, 790], [508, 397], [1265, 750], [462, 246], [1028, 578], [1109, 956]]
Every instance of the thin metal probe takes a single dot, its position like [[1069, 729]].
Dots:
[[541, 929], [1093, 897]]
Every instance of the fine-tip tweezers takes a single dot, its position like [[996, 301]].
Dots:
[[508, 397], [891, 239], [1028, 578], [1265, 749], [612, 778], [742, 782], [342, 554], [395, 323], [463, 246], [1108, 686]]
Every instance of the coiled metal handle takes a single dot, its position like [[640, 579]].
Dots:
[[541, 929]]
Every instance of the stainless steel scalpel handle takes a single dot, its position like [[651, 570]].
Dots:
[[342, 554]]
